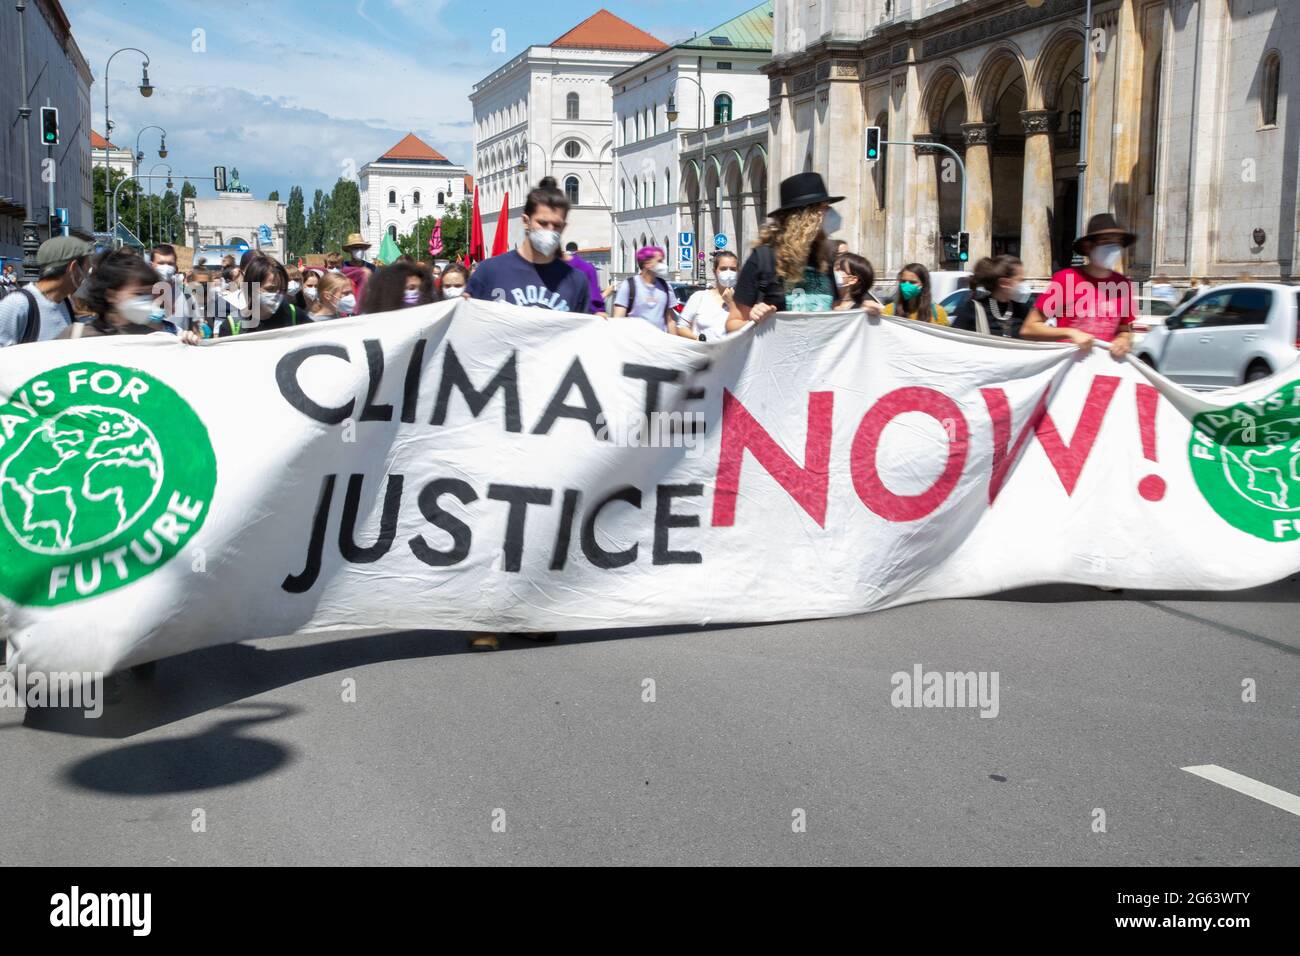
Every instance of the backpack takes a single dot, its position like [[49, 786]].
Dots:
[[33, 330], [661, 284]]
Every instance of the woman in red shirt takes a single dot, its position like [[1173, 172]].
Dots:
[[1095, 302]]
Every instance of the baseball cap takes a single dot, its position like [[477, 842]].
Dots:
[[56, 253]]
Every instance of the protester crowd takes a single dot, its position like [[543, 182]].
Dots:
[[793, 267]]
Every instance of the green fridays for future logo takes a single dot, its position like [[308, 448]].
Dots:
[[1246, 461], [105, 474]]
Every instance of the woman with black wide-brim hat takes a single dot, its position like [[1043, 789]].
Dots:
[[790, 268], [1091, 303]]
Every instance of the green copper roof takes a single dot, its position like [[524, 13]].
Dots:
[[752, 30]]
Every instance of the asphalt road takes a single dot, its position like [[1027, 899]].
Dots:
[[1102, 699]]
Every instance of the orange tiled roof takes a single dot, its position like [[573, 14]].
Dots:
[[604, 31], [412, 147], [98, 142], [469, 185]]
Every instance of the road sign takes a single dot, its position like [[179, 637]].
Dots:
[[219, 178], [720, 241], [686, 238], [684, 256], [264, 235]]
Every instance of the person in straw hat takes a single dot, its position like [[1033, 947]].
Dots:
[[1095, 302], [355, 247]]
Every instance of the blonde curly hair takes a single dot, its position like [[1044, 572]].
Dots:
[[793, 236]]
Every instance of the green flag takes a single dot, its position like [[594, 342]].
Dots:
[[388, 250]]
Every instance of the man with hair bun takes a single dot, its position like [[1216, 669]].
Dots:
[[534, 274]]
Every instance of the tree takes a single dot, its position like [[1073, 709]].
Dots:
[[128, 198], [274, 196], [316, 221], [295, 224], [344, 214]]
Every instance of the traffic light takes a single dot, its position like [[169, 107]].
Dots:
[[219, 178], [873, 143], [963, 247], [50, 125]]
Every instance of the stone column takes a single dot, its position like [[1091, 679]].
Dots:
[[1040, 192], [926, 245], [979, 188]]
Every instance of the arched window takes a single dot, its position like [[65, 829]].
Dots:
[[721, 109], [623, 189], [442, 198], [415, 197], [654, 120], [668, 185], [1269, 90], [571, 105], [392, 231], [392, 197], [654, 192], [571, 189], [638, 127], [636, 192], [572, 149]]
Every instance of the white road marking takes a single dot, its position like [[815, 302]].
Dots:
[[1250, 787]]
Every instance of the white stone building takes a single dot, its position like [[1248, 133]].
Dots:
[[233, 219], [1192, 143], [658, 156], [549, 112], [118, 159], [409, 182]]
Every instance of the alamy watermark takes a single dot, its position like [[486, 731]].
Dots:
[[80, 690], [973, 689]]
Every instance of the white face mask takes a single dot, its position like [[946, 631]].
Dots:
[[453, 291], [294, 286], [166, 271], [727, 278], [1106, 256], [310, 292], [348, 304], [270, 301], [842, 279], [832, 222], [139, 310], [1022, 292], [545, 241], [659, 269]]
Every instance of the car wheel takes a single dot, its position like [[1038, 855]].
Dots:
[[1257, 371]]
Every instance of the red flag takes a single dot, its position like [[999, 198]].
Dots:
[[476, 250], [435, 239], [501, 241]]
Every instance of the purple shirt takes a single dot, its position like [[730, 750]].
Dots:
[[595, 301]]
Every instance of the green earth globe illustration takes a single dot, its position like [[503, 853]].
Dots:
[[79, 479], [1267, 474]]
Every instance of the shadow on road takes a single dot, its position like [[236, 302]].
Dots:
[[214, 677], [218, 757]]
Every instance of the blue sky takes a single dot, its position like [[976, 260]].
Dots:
[[298, 92]]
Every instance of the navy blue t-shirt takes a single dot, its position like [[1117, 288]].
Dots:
[[512, 278]]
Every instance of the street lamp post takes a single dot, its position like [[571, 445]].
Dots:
[[31, 238], [146, 90], [671, 113], [137, 157], [1084, 98], [523, 163], [152, 239], [415, 204]]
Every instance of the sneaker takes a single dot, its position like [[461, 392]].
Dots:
[[484, 641]]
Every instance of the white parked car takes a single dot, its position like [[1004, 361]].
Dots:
[[1228, 335]]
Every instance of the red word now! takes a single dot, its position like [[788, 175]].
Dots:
[[808, 482]]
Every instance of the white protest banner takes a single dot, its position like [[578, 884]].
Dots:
[[483, 466]]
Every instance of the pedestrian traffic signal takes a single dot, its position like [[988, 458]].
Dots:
[[873, 143], [963, 247], [219, 178], [50, 125]]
